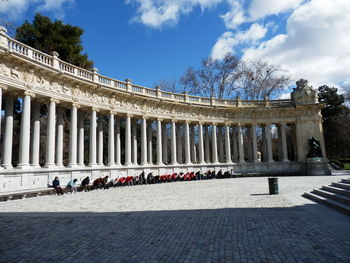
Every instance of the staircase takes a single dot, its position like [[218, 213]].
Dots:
[[336, 196]]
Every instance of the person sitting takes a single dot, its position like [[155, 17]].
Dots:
[[129, 180], [219, 175], [104, 182], [72, 186], [97, 184], [85, 184], [56, 185]]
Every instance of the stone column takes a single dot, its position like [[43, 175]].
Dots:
[[187, 144], [81, 139], [165, 144], [117, 142], [24, 143], [214, 145], [100, 141], [255, 145], [159, 142], [227, 144], [220, 144], [35, 136], [200, 144], [8, 138], [300, 142], [264, 144], [173, 143], [128, 140], [249, 143], [284, 143], [179, 144], [134, 142], [50, 134], [193, 145], [234, 144], [319, 135], [92, 150], [207, 145], [111, 136], [73, 136], [149, 143], [59, 137], [240, 144], [269, 143], [143, 141]]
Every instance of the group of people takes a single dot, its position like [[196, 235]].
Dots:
[[106, 182]]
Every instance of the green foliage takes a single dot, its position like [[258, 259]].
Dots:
[[334, 101], [48, 36], [336, 125]]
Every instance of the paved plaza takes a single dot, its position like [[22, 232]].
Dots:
[[227, 220]]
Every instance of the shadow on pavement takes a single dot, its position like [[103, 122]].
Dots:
[[213, 235]]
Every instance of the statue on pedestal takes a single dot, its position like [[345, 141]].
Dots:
[[314, 148]]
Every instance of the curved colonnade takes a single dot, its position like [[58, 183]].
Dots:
[[133, 128]]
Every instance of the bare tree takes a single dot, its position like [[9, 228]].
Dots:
[[215, 78], [170, 85], [258, 79]]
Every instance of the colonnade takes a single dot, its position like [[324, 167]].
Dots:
[[188, 142]]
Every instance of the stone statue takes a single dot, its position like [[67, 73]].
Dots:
[[303, 93], [314, 148]]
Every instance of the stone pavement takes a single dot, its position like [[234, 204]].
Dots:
[[228, 220]]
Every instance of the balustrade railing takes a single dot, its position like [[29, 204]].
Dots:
[[67, 68]]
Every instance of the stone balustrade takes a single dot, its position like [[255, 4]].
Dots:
[[145, 129]]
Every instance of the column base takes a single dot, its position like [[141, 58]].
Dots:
[[111, 164], [72, 165], [24, 166], [286, 160], [92, 165], [7, 166], [49, 165]]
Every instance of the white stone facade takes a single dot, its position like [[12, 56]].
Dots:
[[191, 132]]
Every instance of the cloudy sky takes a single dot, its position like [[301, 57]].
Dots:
[[151, 40]]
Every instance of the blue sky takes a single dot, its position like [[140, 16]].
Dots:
[[151, 40]]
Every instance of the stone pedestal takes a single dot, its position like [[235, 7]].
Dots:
[[316, 166]]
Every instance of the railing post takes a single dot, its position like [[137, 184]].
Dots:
[[95, 75], [128, 85], [212, 100], [186, 96], [3, 38], [55, 61], [238, 101], [158, 92], [266, 100]]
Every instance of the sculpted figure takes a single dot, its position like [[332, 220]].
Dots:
[[314, 148]]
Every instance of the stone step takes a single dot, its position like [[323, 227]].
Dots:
[[341, 185], [345, 181], [336, 190], [328, 202], [340, 198]]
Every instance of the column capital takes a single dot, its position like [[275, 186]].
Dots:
[[29, 93], [159, 119], [129, 115], [229, 123], [75, 104], [113, 112], [3, 86], [54, 100], [174, 121], [95, 109], [144, 117]]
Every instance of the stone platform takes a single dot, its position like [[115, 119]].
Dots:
[[227, 220]]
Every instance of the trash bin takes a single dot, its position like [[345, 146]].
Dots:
[[273, 186]]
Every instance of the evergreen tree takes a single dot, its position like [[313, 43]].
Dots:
[[48, 36]]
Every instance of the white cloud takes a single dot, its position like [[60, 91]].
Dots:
[[262, 8], [316, 45], [13, 9], [235, 16], [157, 13], [228, 41]]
